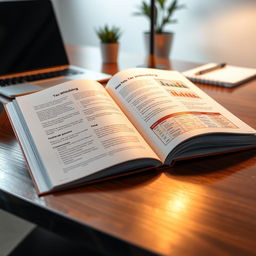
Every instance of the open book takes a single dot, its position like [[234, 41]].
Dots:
[[79, 131]]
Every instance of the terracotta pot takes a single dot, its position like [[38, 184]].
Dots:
[[109, 52], [163, 43]]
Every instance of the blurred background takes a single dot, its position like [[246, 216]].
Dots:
[[212, 30]]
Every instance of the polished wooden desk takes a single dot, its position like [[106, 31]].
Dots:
[[198, 207]]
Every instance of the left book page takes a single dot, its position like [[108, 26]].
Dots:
[[76, 130]]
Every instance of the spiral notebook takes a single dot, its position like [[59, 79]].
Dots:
[[226, 75]]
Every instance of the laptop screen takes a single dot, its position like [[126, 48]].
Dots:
[[29, 37]]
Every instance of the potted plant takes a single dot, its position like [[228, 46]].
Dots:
[[164, 11], [109, 37]]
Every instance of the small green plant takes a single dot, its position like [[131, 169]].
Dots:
[[108, 34], [163, 13]]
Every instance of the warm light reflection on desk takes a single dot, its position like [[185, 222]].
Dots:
[[179, 213], [178, 204], [173, 218]]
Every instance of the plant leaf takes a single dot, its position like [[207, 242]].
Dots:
[[172, 8], [108, 34], [161, 3]]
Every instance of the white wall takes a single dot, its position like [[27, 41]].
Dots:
[[208, 30]]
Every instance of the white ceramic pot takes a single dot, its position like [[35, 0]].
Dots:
[[109, 52]]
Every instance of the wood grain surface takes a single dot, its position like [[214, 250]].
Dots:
[[204, 206]]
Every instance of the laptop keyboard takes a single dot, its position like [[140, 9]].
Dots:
[[34, 77]]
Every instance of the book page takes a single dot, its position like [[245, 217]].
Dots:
[[167, 109], [79, 130]]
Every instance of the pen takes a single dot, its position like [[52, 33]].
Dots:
[[218, 66]]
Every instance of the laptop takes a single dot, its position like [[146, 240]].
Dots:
[[33, 56]]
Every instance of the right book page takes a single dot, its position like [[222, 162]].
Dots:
[[168, 109]]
